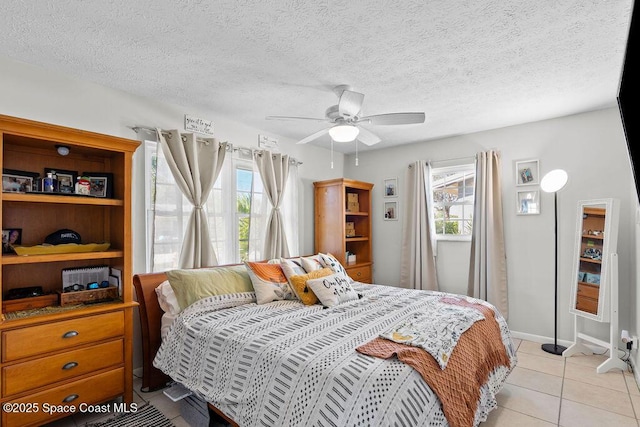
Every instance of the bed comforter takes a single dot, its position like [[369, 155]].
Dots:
[[284, 363]]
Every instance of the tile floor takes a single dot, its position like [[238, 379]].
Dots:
[[543, 390]]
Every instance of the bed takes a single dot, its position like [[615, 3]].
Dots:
[[287, 363]]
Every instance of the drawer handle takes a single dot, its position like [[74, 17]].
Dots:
[[70, 398], [69, 365], [70, 334], [359, 273]]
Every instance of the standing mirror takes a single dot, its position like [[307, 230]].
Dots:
[[596, 241]]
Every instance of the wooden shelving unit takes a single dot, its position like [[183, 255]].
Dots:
[[92, 343], [332, 213]]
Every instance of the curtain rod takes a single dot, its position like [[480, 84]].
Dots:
[[455, 159], [137, 129]]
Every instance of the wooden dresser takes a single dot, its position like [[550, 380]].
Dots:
[[57, 360], [343, 224]]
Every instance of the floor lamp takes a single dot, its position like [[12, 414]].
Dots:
[[553, 182]]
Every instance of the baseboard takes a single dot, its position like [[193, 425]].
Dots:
[[538, 338]]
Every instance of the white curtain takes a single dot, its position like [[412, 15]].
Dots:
[[274, 172], [194, 163], [488, 264], [418, 266], [289, 209]]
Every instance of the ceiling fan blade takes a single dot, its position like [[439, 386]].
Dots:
[[394, 119], [295, 118], [367, 137], [350, 103], [313, 136]]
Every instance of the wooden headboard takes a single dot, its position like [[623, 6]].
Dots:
[[150, 320]]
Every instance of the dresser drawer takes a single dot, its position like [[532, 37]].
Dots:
[[50, 369], [360, 274], [34, 340], [96, 389]]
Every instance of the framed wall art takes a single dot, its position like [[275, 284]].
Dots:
[[528, 202], [527, 172], [390, 211], [391, 187]]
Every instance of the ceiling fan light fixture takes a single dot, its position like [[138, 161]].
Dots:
[[344, 133]]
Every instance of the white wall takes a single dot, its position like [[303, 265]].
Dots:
[[32, 93], [590, 147]]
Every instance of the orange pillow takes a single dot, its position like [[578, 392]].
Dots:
[[299, 284]]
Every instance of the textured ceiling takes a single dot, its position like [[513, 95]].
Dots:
[[469, 65]]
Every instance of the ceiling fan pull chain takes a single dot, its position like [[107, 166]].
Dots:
[[331, 153], [356, 152]]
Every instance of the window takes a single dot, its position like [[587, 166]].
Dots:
[[228, 209], [453, 200]]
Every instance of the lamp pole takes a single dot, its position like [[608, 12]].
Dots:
[[553, 182]]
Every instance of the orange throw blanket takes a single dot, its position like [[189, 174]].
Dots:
[[479, 352]]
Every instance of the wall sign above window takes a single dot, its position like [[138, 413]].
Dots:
[[198, 125]]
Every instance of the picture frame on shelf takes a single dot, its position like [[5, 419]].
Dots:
[[17, 181], [528, 202], [101, 184], [66, 179], [390, 211], [528, 172], [391, 187], [10, 237]]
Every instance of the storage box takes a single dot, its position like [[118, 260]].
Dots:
[[350, 229], [352, 197], [93, 295], [351, 259], [353, 207]]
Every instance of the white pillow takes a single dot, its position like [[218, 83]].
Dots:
[[333, 290], [167, 298], [311, 263], [328, 260]]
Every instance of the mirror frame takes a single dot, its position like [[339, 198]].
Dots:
[[609, 246]]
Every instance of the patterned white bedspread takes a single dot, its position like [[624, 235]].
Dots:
[[286, 364]]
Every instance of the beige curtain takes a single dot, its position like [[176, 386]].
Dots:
[[274, 171], [488, 264], [195, 164], [417, 264]]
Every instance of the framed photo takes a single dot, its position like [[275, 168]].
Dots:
[[528, 202], [391, 187], [101, 183], [66, 180], [527, 172], [15, 181], [10, 237], [390, 211]]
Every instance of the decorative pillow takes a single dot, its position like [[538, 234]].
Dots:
[[291, 267], [311, 263], [302, 290], [328, 260], [190, 286], [333, 290], [167, 298], [269, 282]]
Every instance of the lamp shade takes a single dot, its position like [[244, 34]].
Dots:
[[344, 133], [554, 181]]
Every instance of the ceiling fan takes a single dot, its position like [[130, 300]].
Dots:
[[345, 117]]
